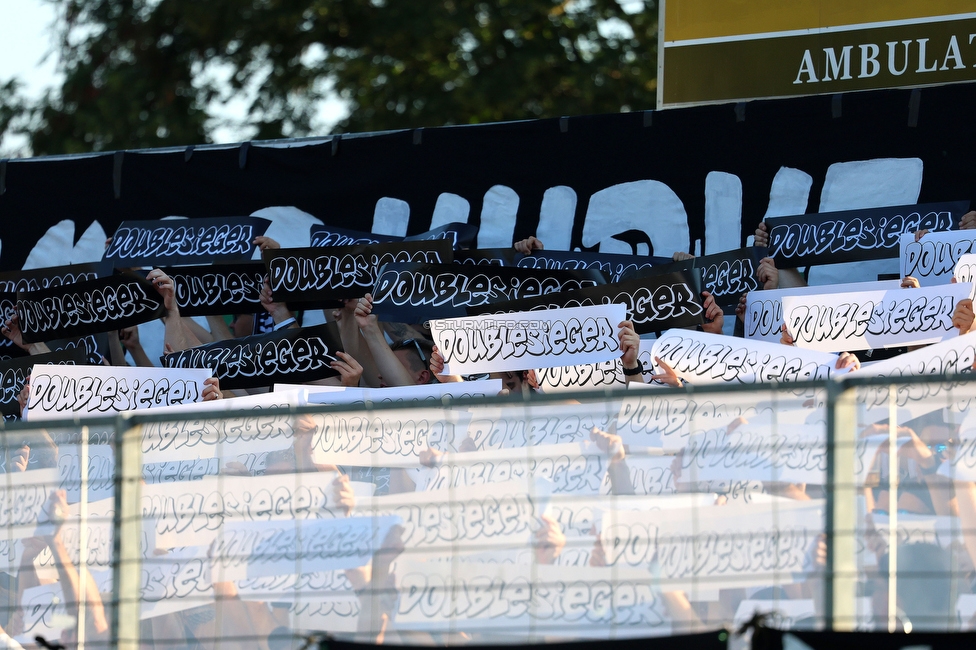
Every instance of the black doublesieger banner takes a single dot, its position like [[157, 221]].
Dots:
[[185, 241], [854, 235], [322, 275], [293, 356], [89, 307], [218, 290], [414, 293], [654, 304]]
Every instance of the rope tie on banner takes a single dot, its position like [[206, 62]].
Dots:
[[836, 105], [648, 118], [117, 173], [335, 143], [564, 124], [913, 104], [418, 135], [740, 112], [188, 153], [3, 176], [242, 154]]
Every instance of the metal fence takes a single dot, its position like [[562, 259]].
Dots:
[[643, 512]]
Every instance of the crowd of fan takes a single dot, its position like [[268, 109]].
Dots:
[[378, 354]]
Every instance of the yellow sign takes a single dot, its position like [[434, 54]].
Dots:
[[730, 50]]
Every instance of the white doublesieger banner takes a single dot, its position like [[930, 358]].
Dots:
[[764, 309], [866, 320], [931, 260], [91, 391], [965, 271], [704, 358], [527, 340]]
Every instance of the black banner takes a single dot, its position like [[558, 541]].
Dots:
[[317, 275], [761, 148], [725, 275], [331, 236], [184, 241], [488, 256], [460, 235], [613, 267], [90, 345], [729, 275], [13, 374], [654, 304], [88, 307], [854, 235], [414, 293], [218, 290], [52, 276], [293, 356]]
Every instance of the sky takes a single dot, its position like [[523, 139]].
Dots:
[[25, 41]]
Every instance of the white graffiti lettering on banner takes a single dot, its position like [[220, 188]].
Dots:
[[419, 289], [59, 394], [613, 270], [36, 284], [259, 359], [797, 240], [300, 274], [165, 241], [662, 303], [102, 305], [730, 277], [230, 288], [325, 238]]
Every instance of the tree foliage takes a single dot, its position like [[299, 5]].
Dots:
[[149, 73]]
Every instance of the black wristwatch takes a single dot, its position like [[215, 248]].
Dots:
[[630, 372]]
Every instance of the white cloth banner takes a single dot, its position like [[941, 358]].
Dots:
[[867, 320], [766, 542], [92, 391], [192, 513], [704, 358], [954, 356], [764, 309], [965, 271], [528, 340], [931, 260]]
